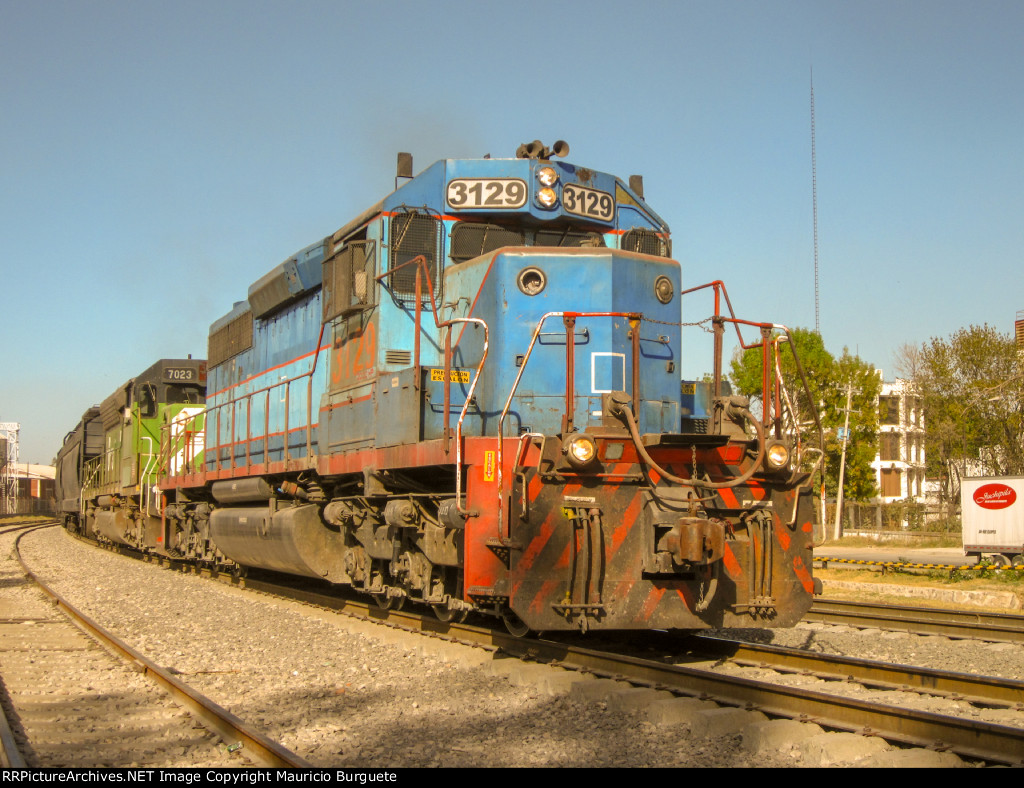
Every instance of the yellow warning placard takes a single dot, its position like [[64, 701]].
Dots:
[[454, 375]]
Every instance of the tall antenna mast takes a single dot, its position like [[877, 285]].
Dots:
[[814, 201]]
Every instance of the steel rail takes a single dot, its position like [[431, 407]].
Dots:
[[967, 737], [10, 756], [998, 627], [257, 747], [10, 527], [941, 683]]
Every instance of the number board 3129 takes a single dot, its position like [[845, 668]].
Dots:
[[590, 203], [493, 193]]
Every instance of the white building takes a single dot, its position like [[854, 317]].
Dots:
[[899, 464]]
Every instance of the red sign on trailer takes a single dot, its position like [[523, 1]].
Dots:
[[995, 496], [993, 517]]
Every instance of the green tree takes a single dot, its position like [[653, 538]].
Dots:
[[862, 447], [972, 386], [827, 379]]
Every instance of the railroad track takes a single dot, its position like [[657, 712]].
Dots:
[[829, 701], [996, 627], [892, 719], [69, 701], [978, 690]]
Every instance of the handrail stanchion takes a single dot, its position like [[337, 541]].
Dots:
[[309, 395], [287, 414], [766, 383], [634, 323], [248, 433], [266, 430], [447, 385], [417, 374], [569, 416]]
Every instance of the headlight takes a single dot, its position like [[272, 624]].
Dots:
[[547, 197], [776, 455], [547, 176], [580, 450]]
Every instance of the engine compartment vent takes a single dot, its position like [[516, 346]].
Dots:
[[398, 357]]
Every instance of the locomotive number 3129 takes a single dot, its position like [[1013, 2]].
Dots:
[[486, 193], [588, 202]]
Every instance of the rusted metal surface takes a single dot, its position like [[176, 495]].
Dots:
[[564, 557]]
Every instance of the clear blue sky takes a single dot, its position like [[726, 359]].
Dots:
[[158, 157]]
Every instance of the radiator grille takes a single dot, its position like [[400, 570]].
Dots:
[[348, 279], [412, 235], [472, 240], [230, 340], [645, 242], [568, 237]]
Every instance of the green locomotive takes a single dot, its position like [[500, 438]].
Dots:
[[147, 426]]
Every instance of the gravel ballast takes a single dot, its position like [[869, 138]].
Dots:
[[339, 694]]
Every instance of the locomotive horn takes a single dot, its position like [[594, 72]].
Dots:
[[537, 150]]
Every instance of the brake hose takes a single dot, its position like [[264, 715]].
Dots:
[[635, 435]]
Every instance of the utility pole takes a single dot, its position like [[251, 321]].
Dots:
[[842, 462]]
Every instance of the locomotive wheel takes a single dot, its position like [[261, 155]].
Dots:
[[449, 616], [514, 624], [385, 602]]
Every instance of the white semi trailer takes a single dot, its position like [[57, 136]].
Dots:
[[992, 508]]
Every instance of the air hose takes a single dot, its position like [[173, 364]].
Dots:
[[635, 435]]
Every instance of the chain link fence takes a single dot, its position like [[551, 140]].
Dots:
[[27, 506]]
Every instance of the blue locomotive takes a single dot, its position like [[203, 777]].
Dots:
[[469, 397]]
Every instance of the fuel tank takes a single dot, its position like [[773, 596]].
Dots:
[[112, 524], [293, 540]]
